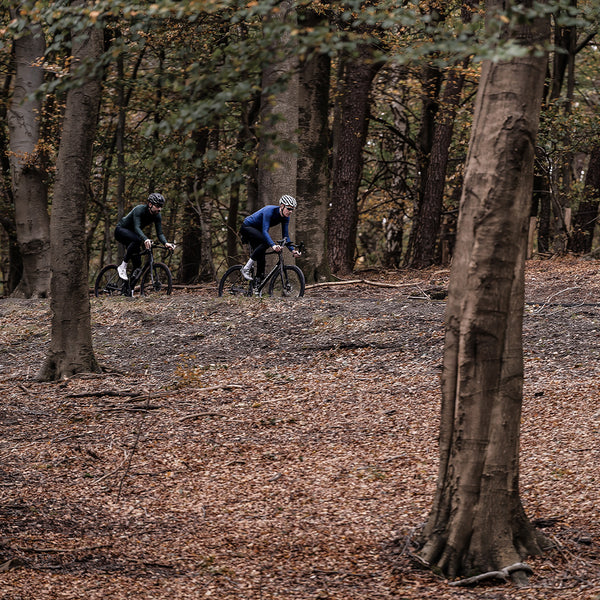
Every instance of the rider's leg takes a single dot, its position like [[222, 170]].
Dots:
[[132, 244], [259, 246]]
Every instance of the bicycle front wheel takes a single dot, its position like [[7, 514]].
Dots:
[[289, 284], [108, 282], [157, 281], [233, 283]]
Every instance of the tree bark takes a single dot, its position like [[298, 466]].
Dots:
[[351, 122], [313, 163], [477, 522], [28, 177], [277, 162], [586, 216], [71, 349], [245, 145], [12, 275], [426, 226], [197, 257], [394, 79]]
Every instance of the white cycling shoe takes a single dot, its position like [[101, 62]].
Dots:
[[122, 271]]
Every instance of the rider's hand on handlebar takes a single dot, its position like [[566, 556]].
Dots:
[[276, 248], [170, 246], [296, 253], [148, 244]]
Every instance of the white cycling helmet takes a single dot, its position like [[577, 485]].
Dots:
[[288, 201]]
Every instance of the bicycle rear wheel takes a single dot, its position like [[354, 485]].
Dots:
[[290, 284], [108, 282], [156, 282], [233, 283]]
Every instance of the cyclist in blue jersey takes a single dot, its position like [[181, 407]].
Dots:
[[255, 231], [129, 231]]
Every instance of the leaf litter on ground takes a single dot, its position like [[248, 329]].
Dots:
[[254, 448]]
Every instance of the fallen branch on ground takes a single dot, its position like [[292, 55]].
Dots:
[[365, 281]]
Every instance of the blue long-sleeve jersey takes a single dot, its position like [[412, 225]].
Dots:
[[266, 218]]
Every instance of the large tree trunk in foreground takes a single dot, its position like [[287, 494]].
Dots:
[[477, 522], [71, 349], [28, 177]]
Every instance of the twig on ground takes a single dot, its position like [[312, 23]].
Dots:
[[140, 408], [553, 296], [221, 386], [198, 415], [114, 472], [62, 550], [137, 439], [101, 393]]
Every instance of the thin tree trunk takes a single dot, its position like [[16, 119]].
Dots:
[[586, 216], [426, 226], [7, 217], [233, 256], [28, 177], [197, 257], [394, 80], [70, 348], [313, 163], [245, 144], [349, 135], [191, 247], [477, 522]]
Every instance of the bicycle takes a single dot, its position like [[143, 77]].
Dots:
[[286, 281], [154, 277]]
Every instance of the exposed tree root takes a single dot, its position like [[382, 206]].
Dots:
[[518, 572]]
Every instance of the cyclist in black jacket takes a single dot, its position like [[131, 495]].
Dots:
[[129, 231]]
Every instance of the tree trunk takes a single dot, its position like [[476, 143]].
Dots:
[[427, 219], [245, 145], [313, 163], [541, 203], [426, 226], [71, 349], [394, 80], [477, 522], [28, 176], [349, 135], [586, 216], [279, 120], [7, 217], [195, 231]]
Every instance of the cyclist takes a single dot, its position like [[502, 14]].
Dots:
[[255, 231], [129, 231]]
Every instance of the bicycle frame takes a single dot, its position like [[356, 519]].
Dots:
[[277, 270], [148, 264]]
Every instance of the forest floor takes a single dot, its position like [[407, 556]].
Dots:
[[254, 449]]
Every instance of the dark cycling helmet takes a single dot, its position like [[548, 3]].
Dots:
[[288, 201], [156, 199]]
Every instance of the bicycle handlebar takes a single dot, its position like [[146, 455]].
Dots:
[[156, 247]]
